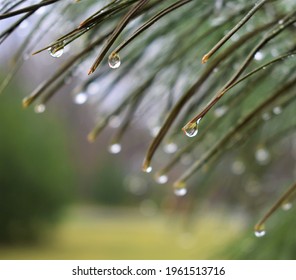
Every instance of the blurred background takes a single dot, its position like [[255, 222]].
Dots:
[[62, 197]]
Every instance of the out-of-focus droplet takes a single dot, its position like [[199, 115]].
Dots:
[[262, 156], [114, 121], [80, 98], [287, 206], [115, 148], [180, 191], [220, 111], [40, 108], [114, 60], [259, 56], [154, 131], [191, 129], [161, 179], [238, 167], [277, 110], [170, 148]]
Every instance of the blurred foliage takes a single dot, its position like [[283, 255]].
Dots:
[[108, 186], [36, 177], [278, 244]]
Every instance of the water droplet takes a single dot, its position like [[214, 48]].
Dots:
[[220, 111], [148, 169], [170, 148], [93, 88], [56, 50], [114, 121], [259, 232], [262, 155], [40, 108], [115, 148], [80, 98], [287, 206], [281, 21], [114, 60], [238, 167], [259, 56], [191, 129], [162, 179], [180, 191], [277, 110], [154, 131]]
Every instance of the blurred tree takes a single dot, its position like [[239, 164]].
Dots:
[[36, 177]]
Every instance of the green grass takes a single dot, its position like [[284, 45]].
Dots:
[[90, 233]]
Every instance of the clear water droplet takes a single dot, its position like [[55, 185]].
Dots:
[[115, 148], [259, 232], [191, 129], [162, 179], [281, 21], [287, 206], [80, 98], [114, 60], [170, 148], [258, 56], [277, 110], [56, 50], [40, 108], [262, 155], [180, 191]]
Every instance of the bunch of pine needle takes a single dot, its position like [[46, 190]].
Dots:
[[222, 71]]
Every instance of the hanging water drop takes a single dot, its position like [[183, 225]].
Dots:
[[277, 110], [114, 60], [259, 232], [238, 167], [40, 108], [114, 121], [191, 129], [220, 111], [262, 155], [287, 206], [180, 191], [80, 98], [56, 50], [115, 148], [147, 169], [258, 56], [162, 179], [170, 148]]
